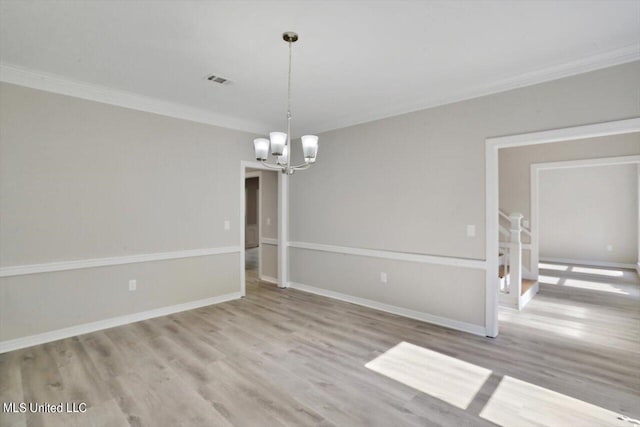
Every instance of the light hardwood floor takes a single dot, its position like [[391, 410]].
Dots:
[[285, 357]]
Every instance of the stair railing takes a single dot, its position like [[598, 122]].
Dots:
[[512, 250]]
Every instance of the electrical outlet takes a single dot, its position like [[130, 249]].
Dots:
[[383, 277], [471, 231], [227, 225], [133, 284], [609, 248]]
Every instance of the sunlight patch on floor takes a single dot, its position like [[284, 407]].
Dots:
[[518, 403], [597, 271], [444, 377], [582, 284], [550, 280], [594, 286], [553, 266]]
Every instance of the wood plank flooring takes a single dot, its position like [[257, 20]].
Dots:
[[288, 358]]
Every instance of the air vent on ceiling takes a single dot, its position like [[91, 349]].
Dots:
[[218, 79]]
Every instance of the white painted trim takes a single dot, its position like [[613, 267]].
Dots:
[[85, 328], [594, 62], [268, 241], [399, 256], [638, 268], [19, 270], [492, 190], [283, 230], [536, 168], [492, 249], [269, 279], [283, 208], [585, 163], [254, 174], [567, 134], [13, 74], [400, 311], [528, 296], [588, 262], [259, 175]]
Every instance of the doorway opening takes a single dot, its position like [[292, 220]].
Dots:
[[263, 259], [261, 227], [518, 221]]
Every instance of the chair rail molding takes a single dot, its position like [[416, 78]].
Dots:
[[393, 255], [19, 270]]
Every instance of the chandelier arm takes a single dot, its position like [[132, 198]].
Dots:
[[271, 166], [301, 166]]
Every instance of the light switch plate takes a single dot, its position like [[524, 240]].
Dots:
[[525, 223], [383, 277], [133, 284], [227, 225], [268, 221], [471, 231]]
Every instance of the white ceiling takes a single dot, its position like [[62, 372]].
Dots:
[[356, 60]]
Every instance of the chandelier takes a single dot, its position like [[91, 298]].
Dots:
[[280, 142]]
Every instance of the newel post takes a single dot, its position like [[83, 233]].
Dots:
[[515, 254]]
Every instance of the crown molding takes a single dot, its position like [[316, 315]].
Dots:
[[17, 75], [553, 72], [35, 79]]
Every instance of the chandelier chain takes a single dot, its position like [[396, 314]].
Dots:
[[290, 151]]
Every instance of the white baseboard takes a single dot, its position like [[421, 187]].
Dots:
[[269, 279], [588, 262], [418, 315], [85, 328]]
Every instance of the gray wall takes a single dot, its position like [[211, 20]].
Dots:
[[582, 210], [80, 179], [269, 203], [412, 183], [515, 164]]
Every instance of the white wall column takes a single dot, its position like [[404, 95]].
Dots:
[[283, 230]]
